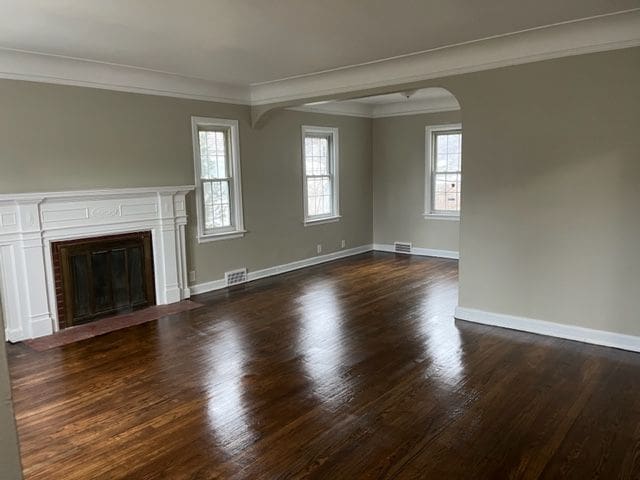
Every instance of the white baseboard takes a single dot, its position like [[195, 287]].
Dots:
[[426, 252], [287, 267], [205, 287], [541, 327]]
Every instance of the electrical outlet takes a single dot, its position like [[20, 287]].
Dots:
[[192, 276], [319, 248], [343, 244]]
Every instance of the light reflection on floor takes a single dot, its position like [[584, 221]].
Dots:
[[444, 350], [321, 337], [441, 336], [226, 409]]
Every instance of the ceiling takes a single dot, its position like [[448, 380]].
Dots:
[[248, 42]]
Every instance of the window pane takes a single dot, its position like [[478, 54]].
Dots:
[[452, 202], [447, 202], [316, 155], [217, 206], [319, 196], [439, 201], [453, 162], [446, 176], [448, 151], [454, 143], [441, 144], [213, 154], [441, 162], [446, 192], [451, 183]]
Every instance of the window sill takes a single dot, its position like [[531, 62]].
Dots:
[[441, 216], [319, 221], [214, 237]]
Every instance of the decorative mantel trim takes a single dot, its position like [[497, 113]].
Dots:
[[29, 222]]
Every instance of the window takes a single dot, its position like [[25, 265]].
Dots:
[[444, 171], [218, 186], [320, 167]]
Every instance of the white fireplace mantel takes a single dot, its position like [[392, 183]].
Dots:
[[29, 222]]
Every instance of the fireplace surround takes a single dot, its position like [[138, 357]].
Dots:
[[102, 276], [30, 223]]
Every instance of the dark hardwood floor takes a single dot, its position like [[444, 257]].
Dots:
[[354, 369]]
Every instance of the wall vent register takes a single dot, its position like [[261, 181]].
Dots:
[[235, 277], [402, 247]]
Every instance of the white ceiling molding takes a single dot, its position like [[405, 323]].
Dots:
[[349, 109], [355, 108], [435, 105], [36, 67], [607, 32], [596, 34]]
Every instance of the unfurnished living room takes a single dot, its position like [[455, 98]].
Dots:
[[336, 239]]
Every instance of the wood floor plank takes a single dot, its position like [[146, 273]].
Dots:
[[355, 369], [604, 442]]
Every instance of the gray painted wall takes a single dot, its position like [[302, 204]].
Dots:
[[272, 187], [399, 181], [59, 137], [551, 190]]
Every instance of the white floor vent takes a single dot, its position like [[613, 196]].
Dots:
[[401, 247], [235, 277]]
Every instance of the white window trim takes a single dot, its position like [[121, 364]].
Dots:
[[237, 229], [335, 174], [429, 163]]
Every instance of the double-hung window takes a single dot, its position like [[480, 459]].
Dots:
[[320, 171], [443, 171], [218, 184]]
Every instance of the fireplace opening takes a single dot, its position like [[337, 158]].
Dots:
[[102, 276]]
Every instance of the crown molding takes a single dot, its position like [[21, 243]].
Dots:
[[349, 109], [357, 109], [38, 67], [595, 34], [431, 105]]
